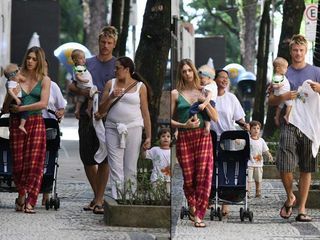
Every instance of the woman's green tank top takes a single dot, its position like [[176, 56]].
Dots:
[[33, 97], [183, 107]]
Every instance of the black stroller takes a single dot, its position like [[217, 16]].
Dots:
[[50, 167], [184, 211], [230, 178]]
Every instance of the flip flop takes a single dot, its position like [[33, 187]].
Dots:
[[191, 216], [29, 210], [302, 217], [200, 224], [288, 209], [98, 209], [89, 207], [19, 207]]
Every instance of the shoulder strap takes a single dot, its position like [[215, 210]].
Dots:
[[125, 91]]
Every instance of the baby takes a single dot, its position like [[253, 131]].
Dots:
[[281, 85], [210, 91], [84, 80], [12, 73]]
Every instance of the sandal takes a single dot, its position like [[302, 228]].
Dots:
[[98, 209], [287, 209], [200, 224], [19, 206], [29, 210], [302, 217], [89, 207], [191, 216]]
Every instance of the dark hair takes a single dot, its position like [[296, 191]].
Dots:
[[127, 62], [163, 130], [254, 123], [219, 71]]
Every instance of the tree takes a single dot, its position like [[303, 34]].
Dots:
[[292, 17], [248, 12], [262, 63], [153, 50], [316, 54], [94, 18]]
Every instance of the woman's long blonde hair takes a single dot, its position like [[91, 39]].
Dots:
[[180, 81], [41, 65]]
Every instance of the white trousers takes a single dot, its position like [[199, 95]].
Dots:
[[123, 161]]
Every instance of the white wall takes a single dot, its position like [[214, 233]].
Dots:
[[5, 28]]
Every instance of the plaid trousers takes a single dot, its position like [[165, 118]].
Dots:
[[195, 156]]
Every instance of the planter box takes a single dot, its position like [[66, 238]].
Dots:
[[270, 172], [144, 216], [313, 197]]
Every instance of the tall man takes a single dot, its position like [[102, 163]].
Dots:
[[102, 68], [294, 146]]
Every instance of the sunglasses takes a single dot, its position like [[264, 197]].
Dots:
[[12, 74], [80, 71]]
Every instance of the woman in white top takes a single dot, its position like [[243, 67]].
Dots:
[[125, 121], [229, 110]]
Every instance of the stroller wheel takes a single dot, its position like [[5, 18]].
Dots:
[[212, 214], [241, 214], [182, 212], [219, 213], [250, 216], [51, 202], [47, 204]]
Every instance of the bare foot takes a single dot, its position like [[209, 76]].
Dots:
[[23, 129]]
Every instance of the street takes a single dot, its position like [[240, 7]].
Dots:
[[70, 221]]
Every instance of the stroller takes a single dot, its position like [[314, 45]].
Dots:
[[51, 162], [184, 211], [230, 178]]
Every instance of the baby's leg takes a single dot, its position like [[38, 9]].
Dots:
[[277, 117], [207, 127], [21, 126], [286, 116], [89, 108], [77, 110]]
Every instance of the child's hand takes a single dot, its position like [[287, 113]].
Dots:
[[147, 144], [202, 106]]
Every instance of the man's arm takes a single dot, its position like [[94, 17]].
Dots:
[[78, 91]]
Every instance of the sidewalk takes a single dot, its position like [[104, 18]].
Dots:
[[70, 222], [266, 224]]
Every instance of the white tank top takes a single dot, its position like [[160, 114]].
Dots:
[[127, 109]]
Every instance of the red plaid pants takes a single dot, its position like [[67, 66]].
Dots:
[[195, 156]]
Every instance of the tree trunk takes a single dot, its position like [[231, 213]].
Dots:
[[152, 53], [247, 34], [125, 28], [116, 19], [316, 53], [262, 64], [292, 17], [94, 15]]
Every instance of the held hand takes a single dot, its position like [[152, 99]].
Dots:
[[147, 144], [193, 122], [14, 108], [291, 95], [98, 116], [201, 107]]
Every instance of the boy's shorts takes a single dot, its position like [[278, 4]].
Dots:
[[255, 174]]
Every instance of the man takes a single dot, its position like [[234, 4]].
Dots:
[[294, 146], [101, 68]]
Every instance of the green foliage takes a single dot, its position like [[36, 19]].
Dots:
[[71, 26], [146, 193], [216, 18]]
